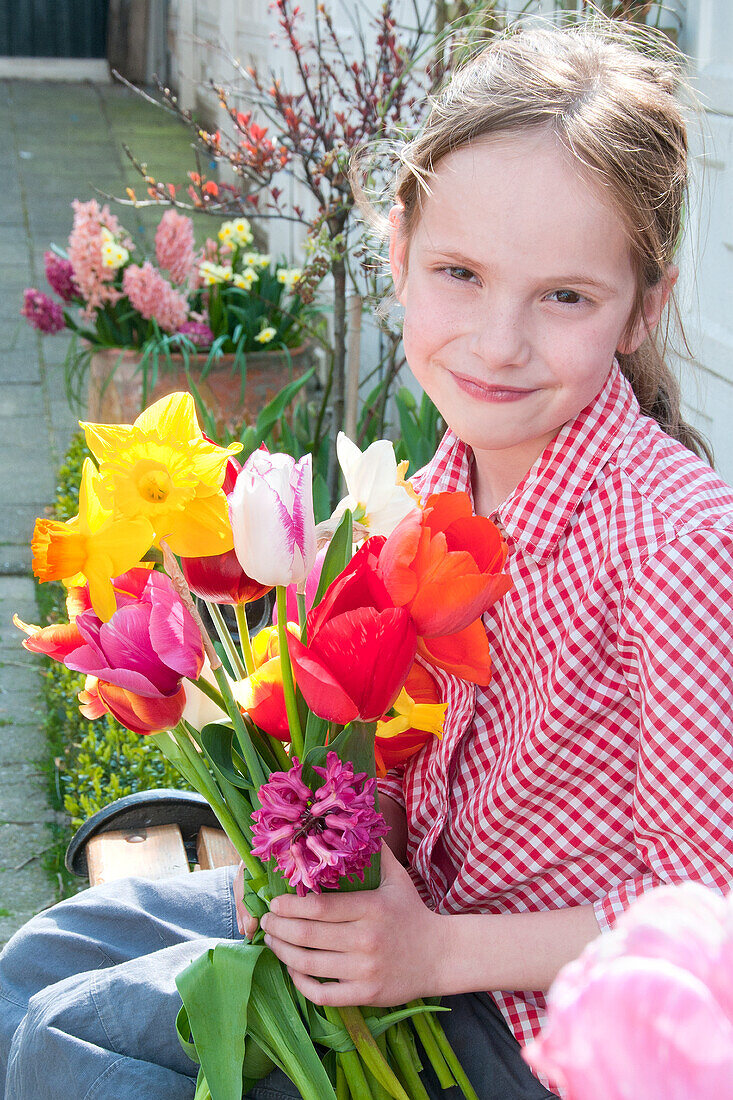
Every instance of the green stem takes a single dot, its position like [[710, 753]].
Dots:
[[238, 669], [210, 690], [449, 1054], [431, 1048], [296, 735], [206, 785], [244, 642], [400, 1047], [302, 617], [349, 1060], [342, 1087], [257, 773]]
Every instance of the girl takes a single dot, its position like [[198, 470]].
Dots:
[[531, 242]]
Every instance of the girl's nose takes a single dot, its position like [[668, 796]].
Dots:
[[500, 337]]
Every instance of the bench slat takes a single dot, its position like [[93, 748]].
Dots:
[[215, 849], [156, 852]]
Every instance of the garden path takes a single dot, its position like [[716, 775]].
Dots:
[[59, 142]]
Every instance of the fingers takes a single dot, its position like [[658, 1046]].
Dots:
[[330, 907], [316, 964], [336, 994], [246, 923], [312, 934]]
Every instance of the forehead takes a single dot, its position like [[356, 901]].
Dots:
[[523, 199]]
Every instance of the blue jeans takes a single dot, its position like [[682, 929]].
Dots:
[[88, 1000]]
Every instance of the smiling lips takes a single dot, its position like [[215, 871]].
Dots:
[[490, 393]]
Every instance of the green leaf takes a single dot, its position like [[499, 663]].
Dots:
[[272, 412], [216, 740], [277, 1026], [337, 556], [215, 990]]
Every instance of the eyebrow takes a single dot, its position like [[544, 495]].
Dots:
[[555, 281]]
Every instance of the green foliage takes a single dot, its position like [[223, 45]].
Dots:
[[95, 761]]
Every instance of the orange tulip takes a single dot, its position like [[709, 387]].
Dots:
[[444, 565]]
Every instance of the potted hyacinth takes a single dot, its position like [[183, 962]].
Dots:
[[223, 321]]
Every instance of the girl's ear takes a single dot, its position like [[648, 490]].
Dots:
[[397, 250], [655, 299]]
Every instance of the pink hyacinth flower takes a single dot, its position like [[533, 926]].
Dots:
[[153, 297], [316, 837], [174, 245], [647, 1009], [94, 281], [60, 276], [42, 312], [271, 511]]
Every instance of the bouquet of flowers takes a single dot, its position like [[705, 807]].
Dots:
[[226, 298], [285, 733]]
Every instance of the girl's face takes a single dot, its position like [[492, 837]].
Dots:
[[517, 287]]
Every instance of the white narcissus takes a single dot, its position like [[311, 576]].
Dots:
[[377, 493], [271, 512]]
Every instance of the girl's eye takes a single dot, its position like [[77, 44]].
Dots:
[[567, 297], [461, 273]]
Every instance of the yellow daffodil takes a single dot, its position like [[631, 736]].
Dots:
[[241, 231], [94, 545], [266, 335], [237, 232], [163, 470]]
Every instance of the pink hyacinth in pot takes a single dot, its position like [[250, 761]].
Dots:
[[318, 836]]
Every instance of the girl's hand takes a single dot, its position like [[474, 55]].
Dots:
[[378, 947], [246, 923]]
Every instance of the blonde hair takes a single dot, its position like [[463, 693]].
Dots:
[[613, 106]]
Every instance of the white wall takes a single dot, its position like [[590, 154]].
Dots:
[[707, 263]]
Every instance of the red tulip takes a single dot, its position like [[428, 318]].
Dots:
[[221, 579], [360, 647], [444, 565]]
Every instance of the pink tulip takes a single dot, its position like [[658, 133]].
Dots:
[[271, 510], [141, 655], [647, 1009]]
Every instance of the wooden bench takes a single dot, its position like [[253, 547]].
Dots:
[[154, 834]]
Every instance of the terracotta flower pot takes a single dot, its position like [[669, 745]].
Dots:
[[115, 385]]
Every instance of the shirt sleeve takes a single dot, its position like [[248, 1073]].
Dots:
[[676, 647], [391, 785]]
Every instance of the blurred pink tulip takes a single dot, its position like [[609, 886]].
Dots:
[[646, 1012]]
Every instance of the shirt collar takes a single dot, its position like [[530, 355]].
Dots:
[[539, 510]]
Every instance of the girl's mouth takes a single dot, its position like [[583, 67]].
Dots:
[[490, 391]]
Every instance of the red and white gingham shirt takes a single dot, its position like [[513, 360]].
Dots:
[[598, 763]]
